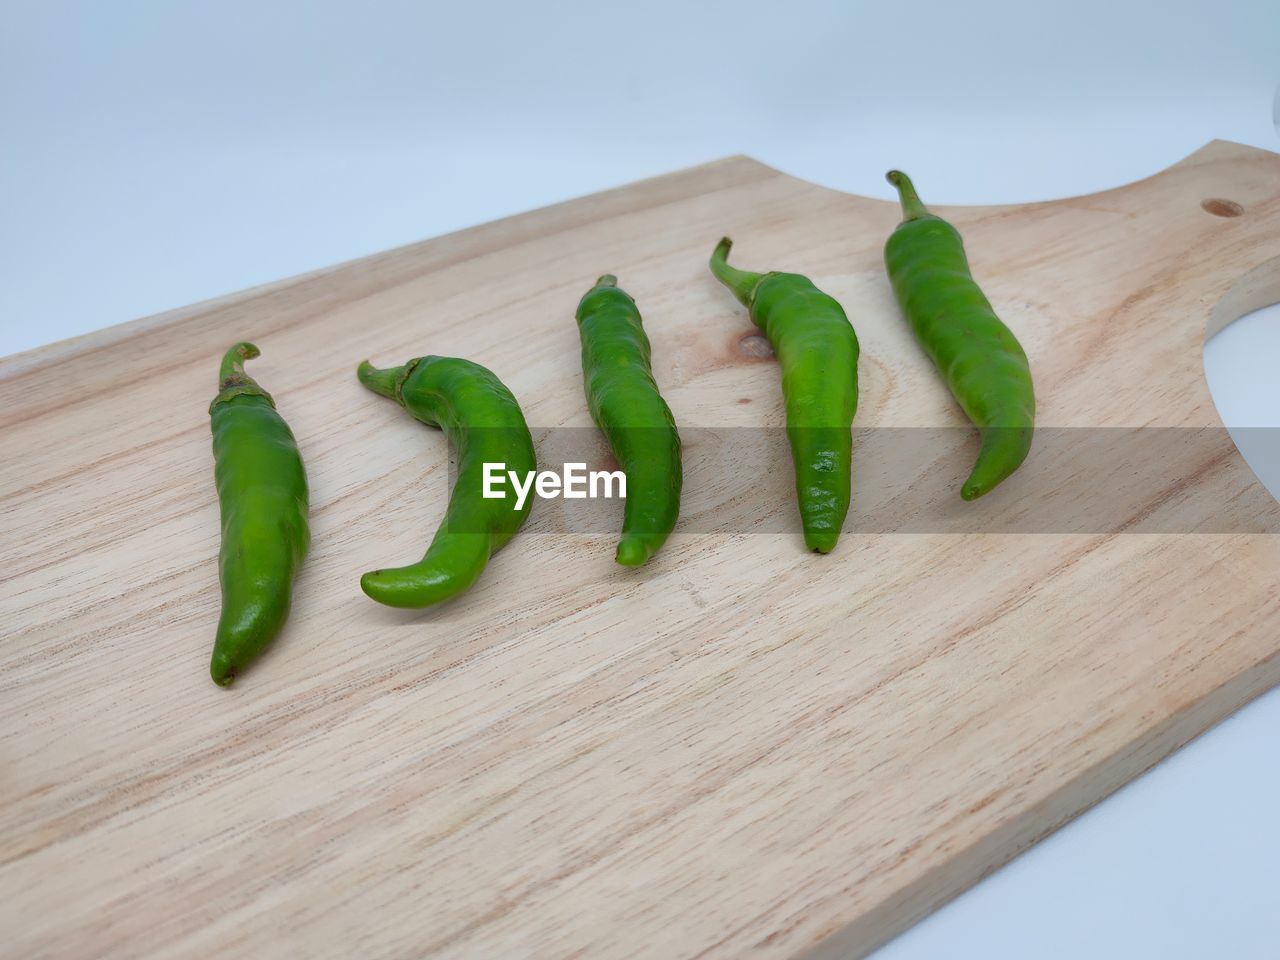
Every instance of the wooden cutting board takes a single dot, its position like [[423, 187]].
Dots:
[[740, 750]]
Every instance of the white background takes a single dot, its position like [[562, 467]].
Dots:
[[153, 154]]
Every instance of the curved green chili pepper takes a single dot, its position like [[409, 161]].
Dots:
[[484, 423], [979, 357], [818, 352], [262, 494], [626, 405]]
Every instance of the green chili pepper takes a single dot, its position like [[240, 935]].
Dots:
[[818, 352], [262, 493], [484, 423], [979, 357], [626, 405]]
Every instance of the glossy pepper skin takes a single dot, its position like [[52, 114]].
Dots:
[[626, 405], [485, 425], [817, 350], [978, 356], [262, 494]]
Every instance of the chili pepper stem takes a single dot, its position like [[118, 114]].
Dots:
[[742, 283], [607, 280], [382, 382], [913, 207], [232, 374]]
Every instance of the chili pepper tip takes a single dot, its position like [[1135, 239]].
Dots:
[[221, 670], [632, 552]]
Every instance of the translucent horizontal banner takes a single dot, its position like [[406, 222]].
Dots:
[[907, 480]]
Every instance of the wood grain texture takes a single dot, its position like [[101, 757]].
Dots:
[[740, 750]]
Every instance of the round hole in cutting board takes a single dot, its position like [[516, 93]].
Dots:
[[1239, 367], [1221, 208], [754, 346]]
